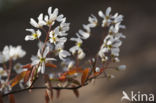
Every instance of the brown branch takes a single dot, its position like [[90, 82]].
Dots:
[[34, 88], [10, 70], [56, 88]]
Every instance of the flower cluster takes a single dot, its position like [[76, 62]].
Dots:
[[111, 42], [8, 54], [53, 54]]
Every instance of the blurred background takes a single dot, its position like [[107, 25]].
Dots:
[[138, 51]]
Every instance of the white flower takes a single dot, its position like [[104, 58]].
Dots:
[[92, 21], [55, 39], [81, 54], [16, 52], [41, 45], [62, 28], [3, 58], [51, 76], [87, 28], [106, 17], [121, 67], [67, 64], [18, 68], [41, 60], [5, 87], [117, 18], [10, 52], [3, 73], [116, 59], [61, 18], [40, 23], [97, 69], [110, 76], [77, 46], [102, 52], [53, 16], [115, 51], [83, 35], [34, 34], [63, 54]]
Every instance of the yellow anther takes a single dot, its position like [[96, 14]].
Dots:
[[78, 44], [42, 59], [35, 36]]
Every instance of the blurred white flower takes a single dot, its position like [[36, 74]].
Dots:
[[34, 34], [3, 58], [18, 68], [3, 73], [121, 67], [10, 52], [51, 76], [16, 52], [97, 69], [5, 87]]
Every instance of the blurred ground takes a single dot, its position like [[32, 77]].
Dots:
[[138, 51]]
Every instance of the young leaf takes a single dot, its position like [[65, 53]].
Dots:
[[84, 76], [62, 78], [12, 98], [51, 65], [27, 75], [18, 78], [29, 66]]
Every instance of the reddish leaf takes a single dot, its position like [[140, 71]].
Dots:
[[29, 66], [51, 65], [12, 98], [18, 78], [46, 97], [1, 99], [84, 76], [27, 75], [76, 92], [62, 78], [73, 71]]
